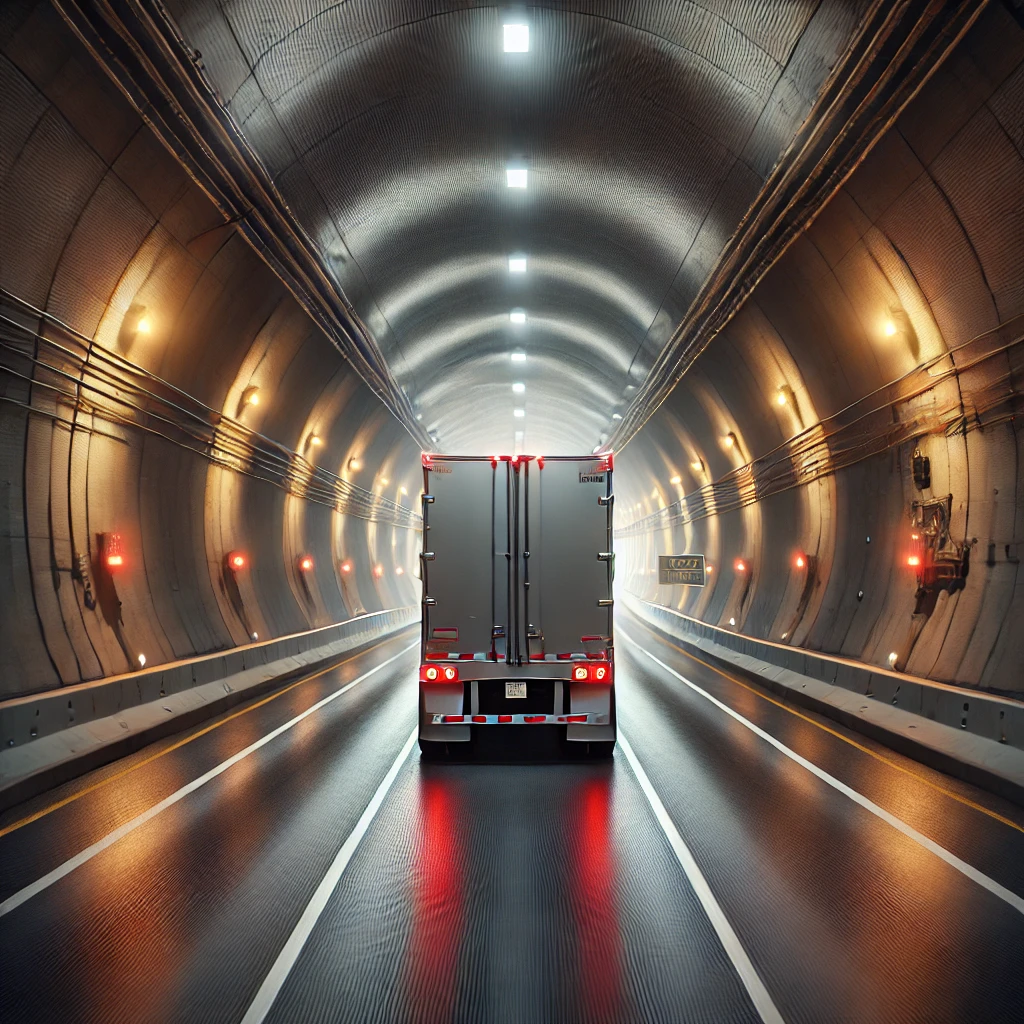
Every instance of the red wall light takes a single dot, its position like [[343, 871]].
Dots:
[[800, 561], [112, 551], [346, 567], [378, 571], [306, 563], [235, 561], [914, 561], [739, 565]]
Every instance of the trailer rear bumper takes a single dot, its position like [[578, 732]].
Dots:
[[456, 720], [449, 712]]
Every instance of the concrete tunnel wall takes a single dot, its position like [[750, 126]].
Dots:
[[928, 233], [99, 224], [927, 236]]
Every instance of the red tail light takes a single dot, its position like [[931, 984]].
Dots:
[[439, 674], [591, 673]]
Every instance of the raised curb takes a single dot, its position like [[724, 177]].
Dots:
[[861, 698], [46, 760]]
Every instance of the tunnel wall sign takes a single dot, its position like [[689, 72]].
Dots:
[[685, 569]]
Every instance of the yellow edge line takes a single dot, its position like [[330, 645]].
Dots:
[[832, 732], [180, 743]]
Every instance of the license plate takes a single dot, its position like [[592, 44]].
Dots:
[[515, 690]]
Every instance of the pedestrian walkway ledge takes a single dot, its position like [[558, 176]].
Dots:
[[51, 737], [969, 734]]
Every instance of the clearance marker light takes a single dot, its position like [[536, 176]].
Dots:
[[346, 566], [236, 561], [739, 565], [378, 571], [305, 563], [913, 561], [800, 561]]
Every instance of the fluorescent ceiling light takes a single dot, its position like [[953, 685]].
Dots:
[[515, 177], [518, 387], [616, 415], [518, 357], [517, 264], [519, 413], [517, 316], [517, 38]]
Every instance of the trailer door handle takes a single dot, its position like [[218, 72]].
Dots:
[[606, 556], [605, 603], [429, 602], [427, 556], [602, 500]]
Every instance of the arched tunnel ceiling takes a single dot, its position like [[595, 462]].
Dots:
[[646, 129]]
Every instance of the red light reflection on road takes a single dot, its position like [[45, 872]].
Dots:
[[433, 953], [594, 902]]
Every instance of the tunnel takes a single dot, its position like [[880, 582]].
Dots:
[[269, 267]]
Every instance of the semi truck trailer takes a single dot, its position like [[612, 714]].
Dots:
[[517, 633]]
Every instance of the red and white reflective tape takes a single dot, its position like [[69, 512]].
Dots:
[[587, 719]]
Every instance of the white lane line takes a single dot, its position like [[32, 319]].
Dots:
[[275, 979], [951, 859], [100, 845], [730, 940]]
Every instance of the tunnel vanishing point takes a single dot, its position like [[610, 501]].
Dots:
[[257, 257]]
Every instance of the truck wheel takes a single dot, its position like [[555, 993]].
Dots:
[[434, 750]]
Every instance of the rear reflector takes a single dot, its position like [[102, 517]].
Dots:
[[454, 719], [534, 718], [481, 719], [504, 719], [439, 674]]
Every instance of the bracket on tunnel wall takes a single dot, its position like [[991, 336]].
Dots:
[[942, 564]]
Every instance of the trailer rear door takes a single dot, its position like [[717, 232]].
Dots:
[[567, 532], [464, 565]]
